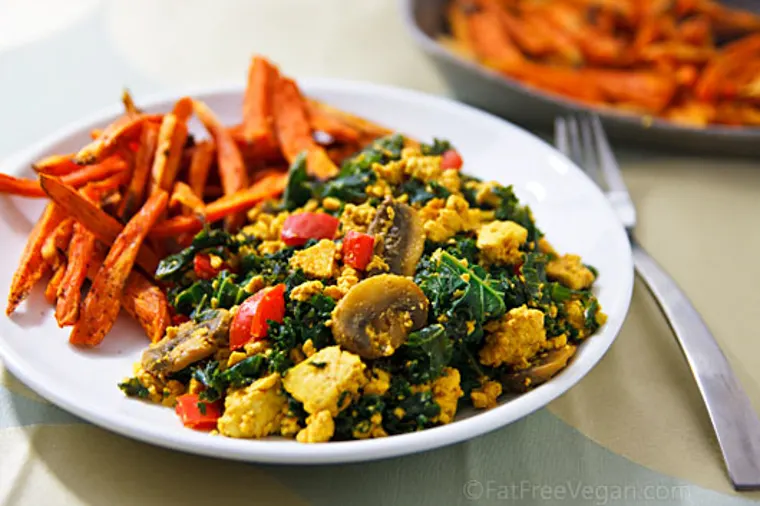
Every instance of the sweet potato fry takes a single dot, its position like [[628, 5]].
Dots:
[[51, 291], [58, 241], [268, 187], [171, 143], [184, 196], [124, 129], [135, 192], [31, 188], [32, 266], [488, 38], [200, 164], [130, 108], [365, 127], [56, 165], [103, 302], [232, 170], [257, 103], [80, 260], [322, 120], [294, 132], [141, 299], [97, 221]]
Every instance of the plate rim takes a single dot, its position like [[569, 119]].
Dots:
[[632, 120], [289, 452]]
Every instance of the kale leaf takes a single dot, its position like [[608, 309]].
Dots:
[[174, 266], [427, 352], [239, 375], [438, 147], [420, 192], [298, 190], [356, 173], [303, 320], [509, 209], [481, 296], [133, 388]]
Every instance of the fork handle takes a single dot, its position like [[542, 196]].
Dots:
[[735, 422]]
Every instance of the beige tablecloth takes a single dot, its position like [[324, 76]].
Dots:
[[634, 426]]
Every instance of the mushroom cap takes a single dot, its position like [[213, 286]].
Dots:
[[399, 236], [192, 342], [541, 371], [376, 316]]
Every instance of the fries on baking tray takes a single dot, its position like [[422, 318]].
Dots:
[[691, 62]]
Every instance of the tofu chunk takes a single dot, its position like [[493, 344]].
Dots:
[[319, 382], [500, 241], [514, 339], [446, 393], [320, 428], [570, 271], [317, 261], [254, 411]]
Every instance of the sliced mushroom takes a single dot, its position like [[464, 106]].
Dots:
[[545, 367], [377, 315], [193, 342], [399, 236]]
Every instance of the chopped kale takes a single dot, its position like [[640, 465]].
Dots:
[[438, 147], [133, 388], [174, 266], [298, 190], [356, 173], [420, 192], [239, 375], [427, 352], [303, 320], [509, 209]]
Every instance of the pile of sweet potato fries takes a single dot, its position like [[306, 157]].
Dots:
[[693, 62], [144, 186]]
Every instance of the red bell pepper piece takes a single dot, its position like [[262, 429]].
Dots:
[[357, 249], [250, 322], [196, 417], [299, 228], [451, 160], [203, 268]]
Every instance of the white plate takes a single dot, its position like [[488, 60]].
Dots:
[[567, 205]]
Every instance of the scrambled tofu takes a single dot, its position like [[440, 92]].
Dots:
[[514, 339], [254, 411], [486, 395], [446, 393], [485, 195], [570, 271], [346, 280], [371, 428], [357, 218], [266, 227], [317, 261], [328, 380], [379, 382], [320, 428], [576, 317], [306, 291], [442, 220], [500, 241], [422, 167]]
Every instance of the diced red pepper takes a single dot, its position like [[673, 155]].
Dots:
[[195, 417], [357, 249], [250, 322], [203, 268], [299, 228], [451, 160]]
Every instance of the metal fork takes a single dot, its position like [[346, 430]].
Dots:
[[582, 139]]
